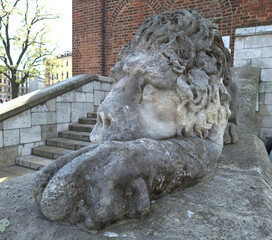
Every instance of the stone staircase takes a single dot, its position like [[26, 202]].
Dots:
[[76, 137]]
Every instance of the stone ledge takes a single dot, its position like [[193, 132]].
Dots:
[[239, 32], [235, 204], [35, 98]]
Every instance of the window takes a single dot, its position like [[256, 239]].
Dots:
[[9, 83], [26, 91], [67, 75], [0, 80], [57, 76], [22, 90], [0, 89], [67, 63], [5, 90], [52, 77], [62, 74], [5, 80], [8, 89]]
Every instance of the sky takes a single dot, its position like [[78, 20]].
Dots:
[[61, 29]]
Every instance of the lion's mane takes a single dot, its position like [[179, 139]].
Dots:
[[197, 55]]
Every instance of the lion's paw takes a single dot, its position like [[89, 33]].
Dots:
[[92, 198], [230, 135]]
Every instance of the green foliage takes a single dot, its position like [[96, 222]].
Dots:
[[23, 43]]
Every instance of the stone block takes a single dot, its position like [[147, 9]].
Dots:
[[77, 111], [11, 152], [97, 85], [88, 87], [267, 52], [62, 127], [89, 97], [41, 118], [49, 106], [29, 135], [11, 137], [266, 110], [248, 53], [80, 97], [258, 41], [265, 134], [239, 43], [79, 89], [261, 98], [106, 87], [266, 75], [247, 80], [241, 63], [1, 138], [48, 131], [63, 112], [245, 31], [268, 87], [268, 98], [98, 97], [21, 120], [266, 121], [262, 62], [26, 149], [88, 107], [68, 97], [265, 87], [264, 29], [262, 87]]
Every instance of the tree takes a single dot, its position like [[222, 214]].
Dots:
[[23, 43]]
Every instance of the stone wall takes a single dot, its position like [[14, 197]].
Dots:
[[253, 47], [27, 121]]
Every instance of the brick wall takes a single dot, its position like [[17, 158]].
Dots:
[[102, 27]]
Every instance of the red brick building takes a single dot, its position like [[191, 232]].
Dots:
[[102, 27]]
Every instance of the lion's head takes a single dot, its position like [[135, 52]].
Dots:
[[171, 81]]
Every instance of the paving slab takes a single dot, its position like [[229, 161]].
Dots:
[[12, 172]]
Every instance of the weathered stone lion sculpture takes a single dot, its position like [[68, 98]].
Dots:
[[160, 128]]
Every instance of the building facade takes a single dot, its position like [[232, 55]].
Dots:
[[59, 68], [5, 88]]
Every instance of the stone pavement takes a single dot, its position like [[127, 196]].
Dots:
[[12, 172]]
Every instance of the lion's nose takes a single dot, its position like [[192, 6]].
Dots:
[[103, 119]]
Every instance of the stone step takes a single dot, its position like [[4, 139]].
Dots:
[[33, 162], [87, 120], [92, 115], [82, 136], [50, 152], [81, 127], [67, 143]]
